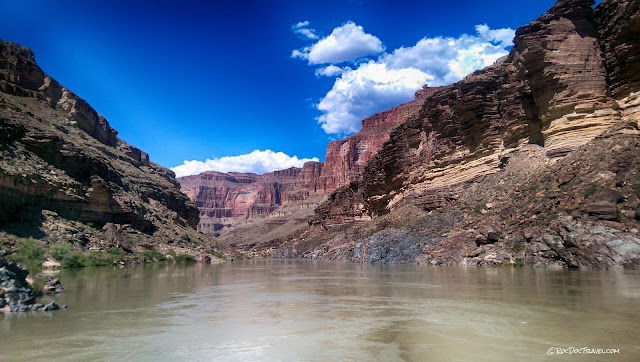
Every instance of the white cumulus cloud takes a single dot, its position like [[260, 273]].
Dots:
[[346, 43], [302, 28], [504, 36], [256, 162], [330, 71], [369, 89], [394, 77]]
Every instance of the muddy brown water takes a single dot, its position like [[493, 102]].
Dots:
[[303, 310]]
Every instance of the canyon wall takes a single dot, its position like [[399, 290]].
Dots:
[[528, 161], [61, 161], [233, 199], [551, 91]]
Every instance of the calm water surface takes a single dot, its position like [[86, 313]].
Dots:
[[297, 310]]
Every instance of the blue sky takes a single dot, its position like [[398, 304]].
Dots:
[[205, 80]]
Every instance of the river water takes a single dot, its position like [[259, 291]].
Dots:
[[302, 310]]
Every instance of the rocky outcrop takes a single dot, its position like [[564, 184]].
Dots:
[[619, 29], [15, 292], [61, 160], [496, 153]]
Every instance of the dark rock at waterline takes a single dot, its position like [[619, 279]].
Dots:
[[36, 306], [19, 273], [50, 306], [391, 247], [52, 284], [16, 296]]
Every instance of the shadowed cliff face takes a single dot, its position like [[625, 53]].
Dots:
[[61, 156], [540, 141]]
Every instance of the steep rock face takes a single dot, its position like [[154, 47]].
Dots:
[[345, 159], [526, 161], [619, 28], [60, 155], [551, 90]]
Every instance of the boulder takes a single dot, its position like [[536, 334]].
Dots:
[[603, 204]]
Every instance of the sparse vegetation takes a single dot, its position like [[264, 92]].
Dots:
[[74, 260], [219, 255], [38, 284], [60, 250], [185, 259], [477, 208], [518, 263], [30, 254], [518, 247], [153, 256]]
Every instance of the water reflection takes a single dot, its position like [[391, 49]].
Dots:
[[295, 310]]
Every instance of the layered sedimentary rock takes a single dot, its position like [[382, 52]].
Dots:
[[526, 161], [229, 200], [60, 156], [226, 200], [345, 159], [551, 90]]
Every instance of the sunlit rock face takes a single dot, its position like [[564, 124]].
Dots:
[[529, 160], [551, 90]]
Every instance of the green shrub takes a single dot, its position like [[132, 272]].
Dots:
[[153, 255], [30, 254], [60, 250], [98, 259], [38, 285], [116, 252], [116, 255], [74, 260], [519, 263], [185, 259]]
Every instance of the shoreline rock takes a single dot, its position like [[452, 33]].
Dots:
[[15, 293]]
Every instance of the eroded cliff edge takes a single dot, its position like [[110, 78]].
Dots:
[[532, 160], [66, 176]]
